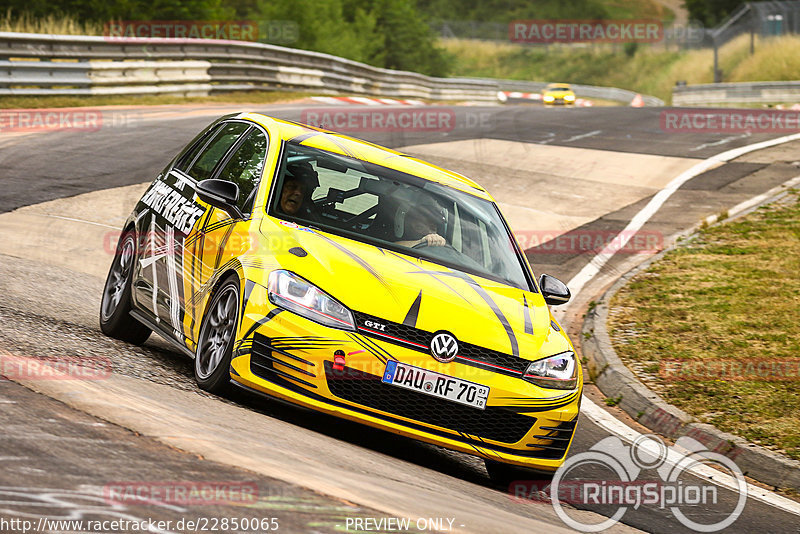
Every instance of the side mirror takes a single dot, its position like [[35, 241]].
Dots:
[[554, 291], [221, 194]]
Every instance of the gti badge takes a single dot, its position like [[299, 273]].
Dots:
[[444, 347]]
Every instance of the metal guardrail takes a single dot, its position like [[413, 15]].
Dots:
[[39, 64], [736, 93]]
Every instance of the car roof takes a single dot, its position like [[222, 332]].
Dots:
[[348, 146], [557, 85]]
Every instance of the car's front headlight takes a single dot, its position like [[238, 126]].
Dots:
[[569, 98], [549, 98], [290, 292], [554, 372]]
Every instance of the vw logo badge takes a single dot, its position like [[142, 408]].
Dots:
[[444, 347]]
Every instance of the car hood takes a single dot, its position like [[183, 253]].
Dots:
[[402, 289]]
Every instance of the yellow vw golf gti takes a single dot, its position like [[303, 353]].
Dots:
[[353, 280]]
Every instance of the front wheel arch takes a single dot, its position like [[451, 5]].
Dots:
[[219, 329]]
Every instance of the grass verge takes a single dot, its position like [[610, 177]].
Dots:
[[645, 69], [729, 296], [254, 97]]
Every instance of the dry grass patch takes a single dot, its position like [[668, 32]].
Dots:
[[732, 294], [244, 98]]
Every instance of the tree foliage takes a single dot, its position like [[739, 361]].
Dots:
[[385, 33], [711, 12]]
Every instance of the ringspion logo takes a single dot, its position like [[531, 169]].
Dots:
[[624, 488]]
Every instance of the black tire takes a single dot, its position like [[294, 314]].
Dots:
[[115, 307], [503, 475], [212, 361]]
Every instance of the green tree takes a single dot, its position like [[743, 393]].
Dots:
[[711, 12], [386, 33], [408, 41], [105, 10], [323, 26]]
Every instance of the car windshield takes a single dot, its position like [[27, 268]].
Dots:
[[559, 89], [395, 211]]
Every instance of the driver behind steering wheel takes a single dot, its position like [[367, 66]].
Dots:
[[419, 224]]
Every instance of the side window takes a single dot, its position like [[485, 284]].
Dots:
[[190, 152], [245, 166], [204, 166]]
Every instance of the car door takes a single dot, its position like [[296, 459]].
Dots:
[[167, 226], [218, 237]]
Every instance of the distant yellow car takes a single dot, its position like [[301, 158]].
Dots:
[[558, 94], [353, 280]]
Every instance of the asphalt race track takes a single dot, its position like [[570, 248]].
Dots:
[[55, 457]]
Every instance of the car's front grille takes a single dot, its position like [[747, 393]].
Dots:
[[493, 423], [559, 434], [420, 340]]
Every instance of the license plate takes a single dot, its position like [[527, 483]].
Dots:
[[436, 384]]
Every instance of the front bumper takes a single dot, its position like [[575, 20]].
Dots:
[[292, 358]]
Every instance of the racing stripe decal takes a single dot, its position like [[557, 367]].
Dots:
[[221, 246], [512, 338], [249, 286], [153, 259], [368, 348], [262, 321], [299, 139], [366, 266], [432, 274], [528, 324], [413, 312], [377, 347], [173, 248]]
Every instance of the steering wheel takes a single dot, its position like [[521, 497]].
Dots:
[[424, 244]]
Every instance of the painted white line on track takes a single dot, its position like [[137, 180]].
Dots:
[[584, 136], [613, 425], [591, 269], [720, 142], [76, 220], [604, 419]]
